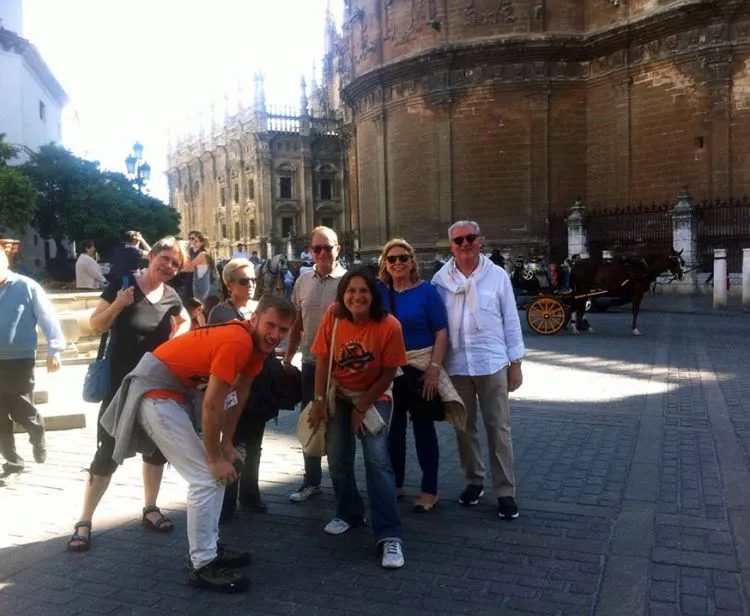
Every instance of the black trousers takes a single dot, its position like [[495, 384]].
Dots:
[[17, 404], [246, 487]]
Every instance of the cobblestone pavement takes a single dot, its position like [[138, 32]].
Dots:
[[633, 468]]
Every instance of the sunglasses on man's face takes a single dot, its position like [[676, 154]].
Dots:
[[245, 281], [326, 247], [459, 239], [393, 258]]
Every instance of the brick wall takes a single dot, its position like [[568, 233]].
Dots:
[[567, 147], [367, 155], [740, 114]]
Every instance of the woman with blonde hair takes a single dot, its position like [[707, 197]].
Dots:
[[424, 322], [140, 312]]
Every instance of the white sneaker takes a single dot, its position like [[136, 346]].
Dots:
[[303, 493], [393, 556], [337, 526]]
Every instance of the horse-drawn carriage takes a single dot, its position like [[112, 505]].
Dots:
[[626, 279]]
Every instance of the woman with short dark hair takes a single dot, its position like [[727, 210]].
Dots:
[[366, 348]]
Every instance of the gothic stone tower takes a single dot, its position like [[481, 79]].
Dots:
[[261, 177], [506, 111]]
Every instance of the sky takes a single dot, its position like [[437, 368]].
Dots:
[[135, 69]]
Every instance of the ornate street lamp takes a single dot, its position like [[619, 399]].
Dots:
[[138, 172]]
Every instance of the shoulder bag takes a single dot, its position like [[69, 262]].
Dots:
[[314, 440], [96, 381]]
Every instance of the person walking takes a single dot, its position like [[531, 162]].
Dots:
[[156, 407], [88, 273], [424, 323], [366, 346], [23, 306], [139, 316], [202, 266], [483, 360], [314, 290]]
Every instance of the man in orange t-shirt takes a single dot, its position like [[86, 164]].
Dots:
[[225, 358]]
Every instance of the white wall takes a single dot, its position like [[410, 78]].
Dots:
[[11, 14]]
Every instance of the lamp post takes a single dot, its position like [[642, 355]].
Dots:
[[139, 171]]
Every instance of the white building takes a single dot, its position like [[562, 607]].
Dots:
[[31, 102]]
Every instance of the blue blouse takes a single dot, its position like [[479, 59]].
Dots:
[[421, 312]]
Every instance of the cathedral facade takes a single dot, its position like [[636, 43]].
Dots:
[[263, 177], [502, 111], [508, 111]]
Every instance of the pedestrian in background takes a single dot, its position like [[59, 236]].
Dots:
[[23, 306], [314, 290], [140, 313], [88, 272]]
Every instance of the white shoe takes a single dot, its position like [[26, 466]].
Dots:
[[393, 556], [337, 526], [305, 492]]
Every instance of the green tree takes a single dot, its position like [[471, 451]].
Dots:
[[17, 194], [78, 201]]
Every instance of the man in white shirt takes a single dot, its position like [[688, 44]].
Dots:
[[483, 361], [88, 273], [240, 253]]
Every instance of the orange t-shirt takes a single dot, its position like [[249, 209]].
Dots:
[[223, 351], [361, 351]]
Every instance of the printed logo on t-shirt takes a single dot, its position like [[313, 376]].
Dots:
[[354, 356]]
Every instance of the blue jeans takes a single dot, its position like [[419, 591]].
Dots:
[[381, 488], [313, 471]]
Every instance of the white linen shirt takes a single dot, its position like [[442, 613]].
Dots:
[[484, 351], [88, 273]]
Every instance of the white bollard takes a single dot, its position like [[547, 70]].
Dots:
[[746, 279], [720, 279]]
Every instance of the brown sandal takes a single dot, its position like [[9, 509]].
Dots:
[[84, 539], [162, 525]]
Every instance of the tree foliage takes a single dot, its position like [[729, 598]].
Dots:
[[17, 194], [77, 200]]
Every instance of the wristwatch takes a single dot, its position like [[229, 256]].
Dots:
[[317, 398], [515, 361]]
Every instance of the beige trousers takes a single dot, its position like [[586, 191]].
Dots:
[[492, 393]]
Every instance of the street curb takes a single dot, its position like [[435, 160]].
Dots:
[[70, 421]]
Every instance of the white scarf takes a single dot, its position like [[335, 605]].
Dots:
[[451, 279]]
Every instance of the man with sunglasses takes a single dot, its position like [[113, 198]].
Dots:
[[313, 292], [483, 360]]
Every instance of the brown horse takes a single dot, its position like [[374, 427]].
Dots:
[[626, 278]]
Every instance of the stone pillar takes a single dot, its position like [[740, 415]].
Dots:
[[746, 279], [720, 278], [577, 240], [685, 235]]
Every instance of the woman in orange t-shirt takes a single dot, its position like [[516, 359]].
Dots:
[[368, 349]]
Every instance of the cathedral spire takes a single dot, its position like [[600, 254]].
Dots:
[[259, 95], [303, 102]]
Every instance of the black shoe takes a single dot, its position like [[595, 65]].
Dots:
[[40, 451], [471, 495], [215, 577], [226, 557], [506, 508], [254, 504]]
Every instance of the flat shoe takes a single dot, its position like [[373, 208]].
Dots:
[[425, 507]]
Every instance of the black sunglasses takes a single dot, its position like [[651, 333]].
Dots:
[[245, 281], [459, 239], [317, 249], [393, 258]]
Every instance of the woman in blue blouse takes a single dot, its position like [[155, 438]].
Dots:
[[424, 321]]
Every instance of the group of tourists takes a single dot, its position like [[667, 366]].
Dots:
[[377, 349]]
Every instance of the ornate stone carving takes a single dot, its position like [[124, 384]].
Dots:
[[400, 31], [502, 12]]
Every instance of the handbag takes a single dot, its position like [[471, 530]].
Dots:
[[313, 440], [96, 382]]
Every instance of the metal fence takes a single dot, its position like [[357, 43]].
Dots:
[[723, 224], [631, 230]]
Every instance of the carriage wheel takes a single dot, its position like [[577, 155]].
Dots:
[[546, 315]]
